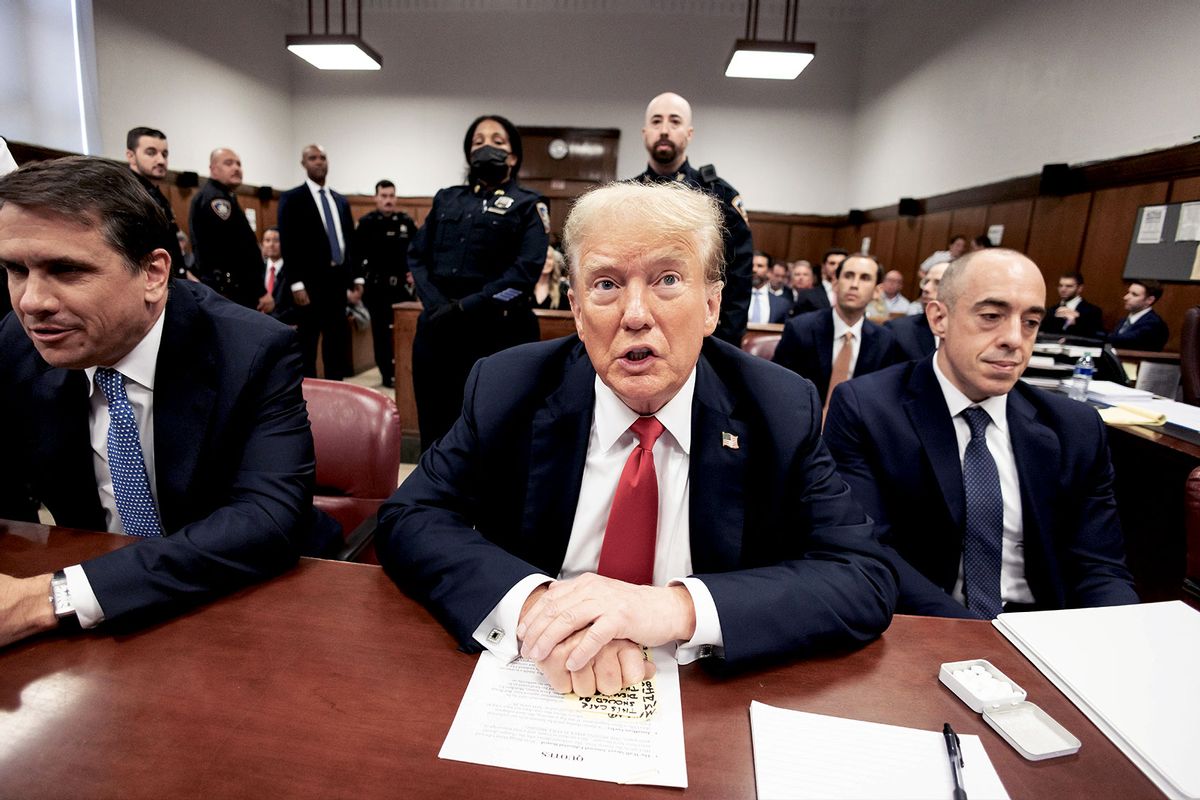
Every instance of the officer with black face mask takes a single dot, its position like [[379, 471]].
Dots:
[[474, 263]]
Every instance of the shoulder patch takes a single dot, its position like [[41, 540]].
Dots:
[[222, 208], [739, 205], [544, 213]]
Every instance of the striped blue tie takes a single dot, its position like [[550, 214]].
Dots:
[[135, 504], [985, 520]]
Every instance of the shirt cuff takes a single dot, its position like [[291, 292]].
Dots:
[[87, 607], [298, 286], [498, 631], [707, 640], [360, 281]]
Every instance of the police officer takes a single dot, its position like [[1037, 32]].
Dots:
[[667, 133], [474, 263], [227, 254], [381, 241], [146, 153]]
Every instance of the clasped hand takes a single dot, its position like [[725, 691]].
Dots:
[[586, 633]]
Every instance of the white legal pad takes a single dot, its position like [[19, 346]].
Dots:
[[1135, 671], [510, 717], [798, 756]]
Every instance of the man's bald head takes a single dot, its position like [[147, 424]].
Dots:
[[224, 166], [315, 163], [667, 132]]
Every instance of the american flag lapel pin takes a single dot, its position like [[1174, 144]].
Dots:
[[729, 440]]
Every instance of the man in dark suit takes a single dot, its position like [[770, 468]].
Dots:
[[765, 306], [994, 495], [821, 296], [277, 279], [1143, 328], [529, 484], [140, 405], [1074, 316], [828, 347], [315, 231], [914, 340]]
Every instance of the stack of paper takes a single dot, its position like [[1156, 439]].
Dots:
[[1133, 671], [798, 755], [1113, 393]]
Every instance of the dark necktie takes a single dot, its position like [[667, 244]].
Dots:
[[131, 486], [632, 530], [335, 249], [985, 520]]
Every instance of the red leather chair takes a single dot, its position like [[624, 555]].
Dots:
[[762, 346], [356, 433], [1189, 356]]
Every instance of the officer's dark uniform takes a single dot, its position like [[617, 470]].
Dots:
[[474, 262], [227, 255], [739, 247], [381, 240], [178, 267]]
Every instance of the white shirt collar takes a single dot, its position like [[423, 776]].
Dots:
[[840, 327], [612, 417], [996, 407], [1074, 302], [315, 187], [139, 364], [1135, 317]]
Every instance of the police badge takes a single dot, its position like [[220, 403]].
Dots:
[[222, 208]]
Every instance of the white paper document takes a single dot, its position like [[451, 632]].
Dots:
[[1188, 229], [510, 717], [798, 755], [1150, 230]]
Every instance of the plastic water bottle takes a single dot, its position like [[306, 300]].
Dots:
[[1082, 377]]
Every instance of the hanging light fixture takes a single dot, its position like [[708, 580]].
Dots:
[[334, 50], [759, 58]]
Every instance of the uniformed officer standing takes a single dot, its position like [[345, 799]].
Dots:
[[381, 242], [227, 254], [146, 153], [667, 133], [474, 263]]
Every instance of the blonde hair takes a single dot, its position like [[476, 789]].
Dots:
[[643, 217]]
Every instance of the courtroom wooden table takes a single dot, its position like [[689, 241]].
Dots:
[[328, 682]]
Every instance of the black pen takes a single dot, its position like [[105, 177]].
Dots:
[[956, 761]]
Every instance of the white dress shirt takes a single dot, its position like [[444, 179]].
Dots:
[[1134, 317], [760, 304], [138, 366], [610, 443], [830, 293], [839, 331], [1013, 585], [896, 305]]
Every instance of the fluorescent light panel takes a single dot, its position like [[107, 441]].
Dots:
[[329, 51], [771, 60]]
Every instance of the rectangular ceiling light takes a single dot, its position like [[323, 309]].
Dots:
[[334, 51], [752, 58]]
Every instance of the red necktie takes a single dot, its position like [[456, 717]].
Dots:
[[629, 538], [270, 278]]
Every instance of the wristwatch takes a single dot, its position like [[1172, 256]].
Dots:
[[60, 599]]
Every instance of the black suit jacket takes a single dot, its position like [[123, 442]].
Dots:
[[806, 348], [232, 448], [778, 307], [914, 339], [814, 299], [1148, 333], [1090, 322], [286, 310], [894, 442], [305, 247], [786, 553]]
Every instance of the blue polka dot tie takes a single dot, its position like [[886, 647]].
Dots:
[[135, 504], [985, 520]]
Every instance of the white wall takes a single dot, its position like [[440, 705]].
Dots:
[[208, 73], [784, 145], [957, 93]]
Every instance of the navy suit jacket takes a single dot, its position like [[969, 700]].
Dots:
[[232, 448], [787, 554], [814, 299], [894, 442], [1148, 333], [1090, 322], [914, 339], [778, 307], [304, 245], [806, 348]]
